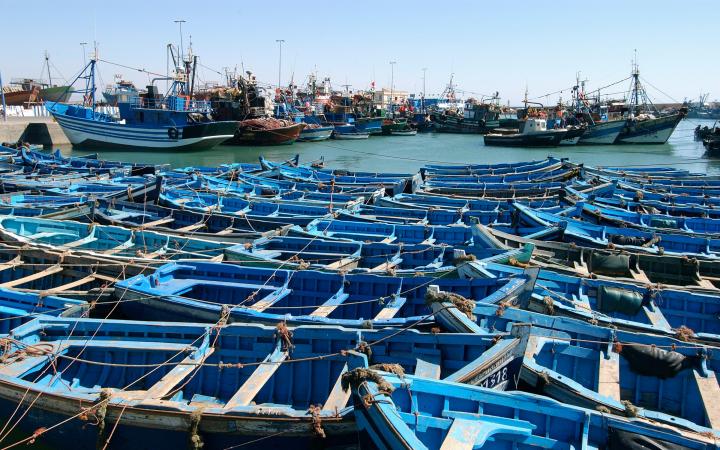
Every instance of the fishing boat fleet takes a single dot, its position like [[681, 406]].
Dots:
[[536, 304], [175, 113]]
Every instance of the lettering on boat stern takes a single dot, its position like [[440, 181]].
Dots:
[[496, 373]]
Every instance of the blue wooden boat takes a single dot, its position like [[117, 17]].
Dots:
[[158, 385], [549, 173], [392, 183], [460, 169], [33, 201], [51, 212], [201, 292], [459, 236], [420, 200], [429, 216], [548, 226], [494, 190], [183, 222], [344, 255], [287, 185], [107, 242], [172, 122], [293, 212], [314, 133], [664, 377], [642, 205], [18, 307], [614, 264], [32, 158], [491, 169], [618, 304], [658, 378], [39, 282], [407, 412], [657, 222], [139, 188]]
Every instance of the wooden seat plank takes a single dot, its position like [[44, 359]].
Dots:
[[35, 276], [257, 380], [338, 397], [609, 376]]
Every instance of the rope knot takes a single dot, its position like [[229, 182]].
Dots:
[[314, 411]]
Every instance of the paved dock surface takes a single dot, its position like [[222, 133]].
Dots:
[[35, 130]]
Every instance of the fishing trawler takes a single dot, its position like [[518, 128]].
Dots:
[[532, 130], [170, 122], [644, 124]]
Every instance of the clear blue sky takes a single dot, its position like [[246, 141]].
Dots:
[[489, 46]]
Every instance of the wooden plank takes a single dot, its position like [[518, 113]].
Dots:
[[338, 398], [46, 234], [70, 285], [384, 267], [337, 265], [428, 366], [639, 275], [79, 242], [330, 305], [36, 276], [391, 308], [155, 223], [17, 261], [708, 387], [257, 380], [193, 227], [102, 277], [609, 376], [124, 246], [271, 299], [656, 319], [461, 435], [177, 374]]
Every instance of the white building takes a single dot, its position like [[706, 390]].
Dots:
[[383, 97]]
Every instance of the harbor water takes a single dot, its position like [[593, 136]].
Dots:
[[409, 153]]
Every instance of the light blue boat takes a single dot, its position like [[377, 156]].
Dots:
[[107, 242], [617, 304], [659, 378], [407, 412]]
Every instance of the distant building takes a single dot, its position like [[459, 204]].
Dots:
[[382, 97]]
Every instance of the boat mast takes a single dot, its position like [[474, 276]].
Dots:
[[91, 78], [47, 63], [422, 99], [636, 83], [2, 97]]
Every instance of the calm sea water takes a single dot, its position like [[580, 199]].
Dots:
[[409, 153]]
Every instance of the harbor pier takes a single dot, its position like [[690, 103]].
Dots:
[[35, 130]]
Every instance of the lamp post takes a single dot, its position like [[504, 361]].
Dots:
[[392, 83], [280, 42]]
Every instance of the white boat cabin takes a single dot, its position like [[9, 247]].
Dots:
[[530, 126]]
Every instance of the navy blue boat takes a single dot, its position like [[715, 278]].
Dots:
[[164, 385], [204, 291]]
